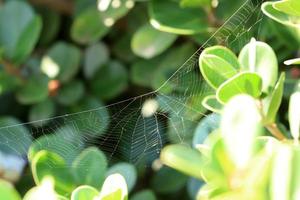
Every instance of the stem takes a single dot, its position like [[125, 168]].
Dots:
[[11, 69], [275, 131], [62, 6]]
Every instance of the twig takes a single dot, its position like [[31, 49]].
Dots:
[[11, 69], [275, 131]]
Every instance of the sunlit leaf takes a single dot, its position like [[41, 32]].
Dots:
[[210, 62], [183, 158], [243, 83]]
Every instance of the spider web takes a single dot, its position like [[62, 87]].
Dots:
[[132, 135]]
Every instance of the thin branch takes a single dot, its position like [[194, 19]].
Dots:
[[275, 131]]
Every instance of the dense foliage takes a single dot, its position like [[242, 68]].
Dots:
[[65, 66]]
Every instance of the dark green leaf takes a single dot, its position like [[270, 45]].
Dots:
[[148, 42], [61, 61], [89, 167], [168, 16]]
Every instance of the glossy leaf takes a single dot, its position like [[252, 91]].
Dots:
[[295, 61], [272, 102], [113, 74], [290, 7], [210, 62], [96, 55], [47, 164], [114, 188], [84, 192], [14, 137], [70, 93], [143, 71], [88, 27], [19, 33], [8, 192], [144, 195], [281, 173], [148, 42], [243, 83], [89, 168], [168, 16], [211, 103], [91, 124], [57, 141], [206, 126], [195, 3], [281, 17], [183, 158], [168, 181], [240, 125], [294, 115], [33, 91], [41, 111], [61, 62], [128, 171], [259, 57], [46, 188]]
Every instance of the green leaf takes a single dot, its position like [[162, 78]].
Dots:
[[61, 61], [148, 42], [14, 137], [52, 21], [89, 167], [168, 181], [290, 7], [206, 126], [144, 70], [41, 111], [294, 115], [127, 170], [295, 61], [34, 90], [8, 192], [211, 103], [183, 158], [281, 17], [259, 57], [94, 123], [88, 27], [8, 83], [46, 188], [70, 93], [47, 164], [272, 102], [295, 183], [96, 55], [114, 188], [115, 76], [210, 61], [168, 66], [168, 16], [280, 186], [18, 32], [243, 83], [144, 195], [195, 3], [112, 11], [84, 192], [240, 125], [57, 140]]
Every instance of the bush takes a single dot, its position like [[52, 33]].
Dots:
[[114, 99]]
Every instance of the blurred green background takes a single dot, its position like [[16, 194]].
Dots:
[[61, 57]]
